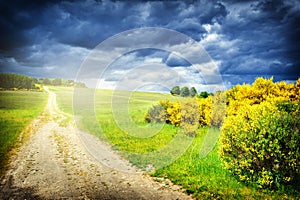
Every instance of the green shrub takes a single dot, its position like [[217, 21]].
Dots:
[[261, 144], [156, 114]]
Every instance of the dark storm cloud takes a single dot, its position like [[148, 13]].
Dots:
[[17, 18], [266, 37], [246, 39], [86, 23]]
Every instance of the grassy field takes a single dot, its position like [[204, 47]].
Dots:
[[17, 109], [118, 118]]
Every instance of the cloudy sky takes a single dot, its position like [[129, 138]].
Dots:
[[110, 44]]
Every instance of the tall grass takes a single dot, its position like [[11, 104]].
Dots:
[[17, 109]]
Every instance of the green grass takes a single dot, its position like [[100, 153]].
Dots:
[[17, 109], [63, 98], [118, 118]]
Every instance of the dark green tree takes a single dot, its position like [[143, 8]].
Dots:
[[175, 90], [204, 94], [193, 91], [185, 92]]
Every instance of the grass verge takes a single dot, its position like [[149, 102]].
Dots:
[[17, 109]]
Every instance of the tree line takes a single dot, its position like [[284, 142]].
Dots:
[[9, 81], [18, 81], [60, 82], [188, 92]]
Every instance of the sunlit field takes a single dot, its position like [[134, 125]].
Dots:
[[112, 120], [17, 109]]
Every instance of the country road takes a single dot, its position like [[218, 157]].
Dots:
[[57, 161]]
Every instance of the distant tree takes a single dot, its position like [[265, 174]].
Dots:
[[193, 91], [57, 81], [175, 90], [69, 83], [80, 85], [41, 81], [185, 92], [47, 81], [204, 94]]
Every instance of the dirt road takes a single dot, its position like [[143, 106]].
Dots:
[[55, 163]]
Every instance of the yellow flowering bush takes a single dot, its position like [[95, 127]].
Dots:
[[173, 110], [218, 109], [188, 113], [260, 140], [204, 111], [165, 111], [190, 116]]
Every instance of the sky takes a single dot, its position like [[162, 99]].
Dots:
[[152, 45]]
